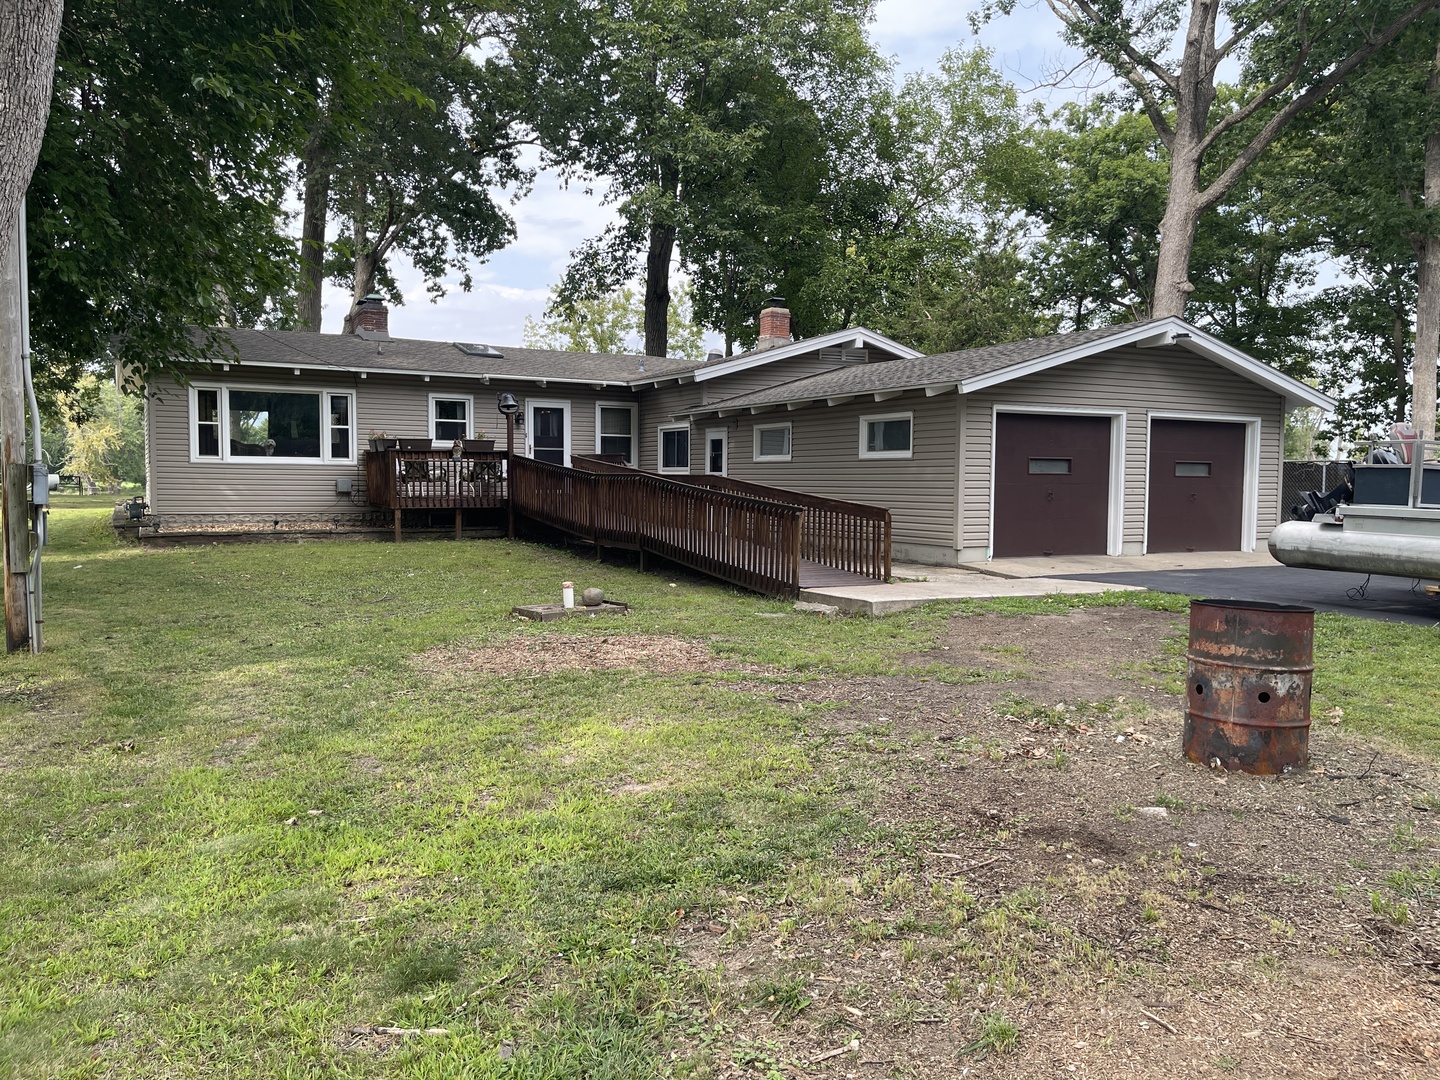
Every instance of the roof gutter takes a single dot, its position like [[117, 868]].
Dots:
[[541, 380]]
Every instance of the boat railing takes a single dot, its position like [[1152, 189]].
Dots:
[[1399, 472]]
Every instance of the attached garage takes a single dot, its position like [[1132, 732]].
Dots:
[[1197, 486], [1052, 484]]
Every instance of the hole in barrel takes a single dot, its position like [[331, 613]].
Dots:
[[1200, 688], [1264, 696]]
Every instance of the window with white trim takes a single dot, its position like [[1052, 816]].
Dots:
[[772, 442], [233, 423], [889, 435], [615, 430], [674, 451], [450, 417]]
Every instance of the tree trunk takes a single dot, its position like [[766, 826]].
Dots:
[[29, 30], [1427, 300], [312, 235], [366, 260], [15, 511], [657, 289]]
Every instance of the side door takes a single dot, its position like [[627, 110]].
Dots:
[[547, 431]]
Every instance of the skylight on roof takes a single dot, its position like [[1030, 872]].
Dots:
[[475, 348]]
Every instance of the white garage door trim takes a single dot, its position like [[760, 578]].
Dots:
[[1115, 512], [1250, 493]]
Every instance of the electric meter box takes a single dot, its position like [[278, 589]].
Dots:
[[40, 484]]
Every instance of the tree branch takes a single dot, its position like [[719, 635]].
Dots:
[[1131, 66], [1222, 183]]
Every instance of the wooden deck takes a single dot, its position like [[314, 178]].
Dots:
[[769, 540]]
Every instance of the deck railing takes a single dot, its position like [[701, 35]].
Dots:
[[434, 480], [748, 541], [850, 536]]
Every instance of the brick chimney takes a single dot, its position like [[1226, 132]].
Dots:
[[774, 324], [372, 317]]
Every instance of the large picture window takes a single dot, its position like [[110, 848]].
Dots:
[[235, 424], [887, 436], [675, 448], [615, 430]]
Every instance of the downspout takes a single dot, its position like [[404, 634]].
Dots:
[[33, 578]]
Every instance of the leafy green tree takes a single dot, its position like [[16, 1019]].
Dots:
[[1168, 54], [675, 105], [419, 173], [614, 324], [155, 205]]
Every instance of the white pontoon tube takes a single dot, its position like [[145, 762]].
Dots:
[[1318, 546]]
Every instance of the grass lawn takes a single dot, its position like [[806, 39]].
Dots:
[[256, 804]]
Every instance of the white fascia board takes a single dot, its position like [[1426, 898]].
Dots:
[[856, 337], [482, 377], [1171, 331]]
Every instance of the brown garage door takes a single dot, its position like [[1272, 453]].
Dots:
[[1197, 485], [1052, 484]]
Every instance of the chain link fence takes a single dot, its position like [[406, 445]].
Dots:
[[1298, 476]]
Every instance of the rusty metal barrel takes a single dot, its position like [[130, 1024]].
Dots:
[[1249, 673]]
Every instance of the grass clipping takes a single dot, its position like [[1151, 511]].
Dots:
[[549, 654]]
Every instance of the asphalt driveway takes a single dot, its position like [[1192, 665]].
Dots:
[[1386, 598]]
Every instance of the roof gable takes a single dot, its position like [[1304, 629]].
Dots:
[[976, 369]]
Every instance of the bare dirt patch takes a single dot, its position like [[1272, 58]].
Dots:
[[1045, 854], [553, 653]]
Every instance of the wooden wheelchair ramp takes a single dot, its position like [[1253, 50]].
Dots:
[[768, 540]]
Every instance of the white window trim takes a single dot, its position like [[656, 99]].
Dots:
[[1250, 489], [634, 426], [531, 404], [723, 434], [1115, 511], [469, 400], [790, 441], [660, 447], [223, 389], [872, 455]]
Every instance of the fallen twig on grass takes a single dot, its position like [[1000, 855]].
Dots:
[[398, 1031], [848, 1048], [1162, 1023]]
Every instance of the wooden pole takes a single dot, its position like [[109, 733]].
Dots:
[[510, 474], [16, 507]]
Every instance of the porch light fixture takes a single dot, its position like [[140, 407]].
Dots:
[[509, 406]]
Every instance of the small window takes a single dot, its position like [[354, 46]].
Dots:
[[449, 418], [886, 436], [615, 431], [1192, 468], [675, 448], [772, 442], [207, 423], [340, 426], [1050, 466]]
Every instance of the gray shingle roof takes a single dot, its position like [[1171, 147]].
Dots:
[[348, 352], [921, 371]]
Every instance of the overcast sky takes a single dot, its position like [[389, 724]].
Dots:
[[552, 220]]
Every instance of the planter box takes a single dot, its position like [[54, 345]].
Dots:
[[479, 444], [379, 444]]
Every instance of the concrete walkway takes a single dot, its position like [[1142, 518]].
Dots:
[[917, 585], [914, 584]]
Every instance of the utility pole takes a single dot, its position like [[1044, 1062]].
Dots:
[[14, 473]]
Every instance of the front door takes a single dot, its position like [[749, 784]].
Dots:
[[716, 444], [549, 436]]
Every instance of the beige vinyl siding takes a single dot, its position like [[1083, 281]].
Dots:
[[825, 460], [763, 376], [1139, 381], [398, 405], [658, 407]]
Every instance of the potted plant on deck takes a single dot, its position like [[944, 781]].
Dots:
[[380, 441]]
